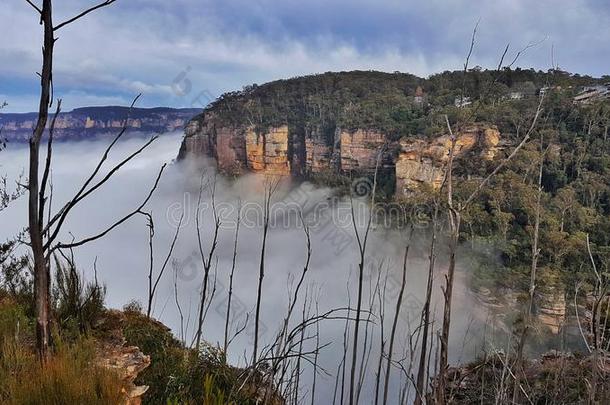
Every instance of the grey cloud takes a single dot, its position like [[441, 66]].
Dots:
[[142, 45]]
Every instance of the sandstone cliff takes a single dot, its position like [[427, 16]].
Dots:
[[424, 162], [283, 150], [338, 123]]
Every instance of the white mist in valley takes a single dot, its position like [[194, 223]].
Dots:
[[122, 257]]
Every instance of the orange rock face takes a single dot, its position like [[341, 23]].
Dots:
[[279, 151], [420, 162], [268, 153], [360, 149]]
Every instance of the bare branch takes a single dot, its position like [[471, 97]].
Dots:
[[466, 63], [76, 200], [232, 273], [164, 266], [61, 215], [84, 13], [116, 224], [34, 6]]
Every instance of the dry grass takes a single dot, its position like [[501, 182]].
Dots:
[[70, 376]]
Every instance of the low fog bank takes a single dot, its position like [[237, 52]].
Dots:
[[123, 264]]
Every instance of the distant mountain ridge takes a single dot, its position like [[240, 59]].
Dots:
[[88, 122]]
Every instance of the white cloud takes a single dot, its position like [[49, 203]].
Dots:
[[141, 46]]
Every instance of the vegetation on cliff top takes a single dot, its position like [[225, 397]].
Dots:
[[397, 104]]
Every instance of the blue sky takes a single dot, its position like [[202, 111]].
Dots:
[[181, 53]]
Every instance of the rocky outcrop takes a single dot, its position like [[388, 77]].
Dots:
[[318, 156], [552, 311], [87, 122], [549, 309], [268, 152], [127, 362], [360, 149], [281, 150], [423, 162], [286, 150]]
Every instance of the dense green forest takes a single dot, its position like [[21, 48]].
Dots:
[[387, 101]]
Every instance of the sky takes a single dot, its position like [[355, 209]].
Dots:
[[184, 53]]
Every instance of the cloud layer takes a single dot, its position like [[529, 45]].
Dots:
[[143, 46], [122, 256]]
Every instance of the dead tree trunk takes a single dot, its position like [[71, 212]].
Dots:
[[362, 245], [205, 262], [231, 274], [35, 209], [425, 316], [41, 249], [403, 284], [270, 189]]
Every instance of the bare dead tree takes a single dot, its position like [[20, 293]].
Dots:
[[42, 236], [362, 245], [595, 335], [403, 284], [297, 368], [280, 346], [152, 286], [271, 186], [381, 296], [315, 361], [175, 267], [206, 258], [292, 301], [231, 274], [291, 352], [527, 318], [454, 214], [425, 315], [368, 343], [343, 361]]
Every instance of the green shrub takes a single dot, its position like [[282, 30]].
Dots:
[[78, 305], [16, 280], [14, 323], [166, 354], [133, 307], [182, 376]]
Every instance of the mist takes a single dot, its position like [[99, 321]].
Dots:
[[122, 257]]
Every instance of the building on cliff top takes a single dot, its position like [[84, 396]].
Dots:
[[419, 95], [461, 102], [591, 94]]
